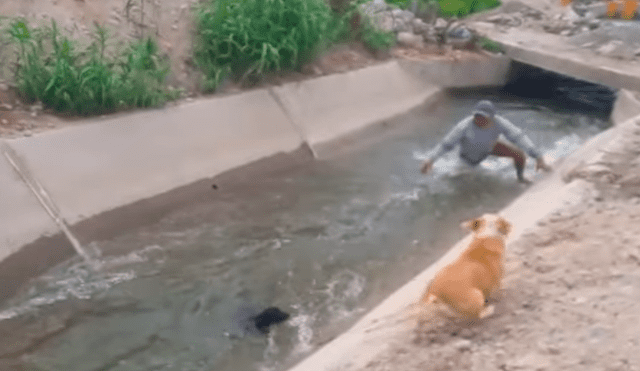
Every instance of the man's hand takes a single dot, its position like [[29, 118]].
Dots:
[[541, 165], [426, 166]]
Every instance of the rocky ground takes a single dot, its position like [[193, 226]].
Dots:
[[571, 299], [585, 25]]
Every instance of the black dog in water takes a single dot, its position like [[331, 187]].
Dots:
[[268, 317], [249, 320]]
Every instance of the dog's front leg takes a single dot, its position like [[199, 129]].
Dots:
[[487, 311]]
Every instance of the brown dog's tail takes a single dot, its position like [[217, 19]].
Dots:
[[422, 312], [427, 311]]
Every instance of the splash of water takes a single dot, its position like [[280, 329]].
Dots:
[[81, 280]]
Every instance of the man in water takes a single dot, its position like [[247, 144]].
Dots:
[[478, 135]]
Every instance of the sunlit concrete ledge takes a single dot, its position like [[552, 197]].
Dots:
[[553, 53]]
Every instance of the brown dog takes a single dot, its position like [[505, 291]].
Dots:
[[465, 284]]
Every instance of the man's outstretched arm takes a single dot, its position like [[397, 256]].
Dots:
[[446, 144], [450, 140], [518, 137]]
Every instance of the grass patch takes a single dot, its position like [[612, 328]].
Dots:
[[461, 8], [449, 8], [245, 39], [352, 25], [51, 69], [490, 45], [376, 39]]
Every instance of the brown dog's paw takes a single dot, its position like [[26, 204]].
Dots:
[[487, 311]]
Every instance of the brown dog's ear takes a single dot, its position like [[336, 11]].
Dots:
[[472, 225], [504, 227]]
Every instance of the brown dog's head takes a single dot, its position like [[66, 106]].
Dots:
[[488, 225]]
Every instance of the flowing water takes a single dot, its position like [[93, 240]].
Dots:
[[325, 241]]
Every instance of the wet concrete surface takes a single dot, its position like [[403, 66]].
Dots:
[[324, 240]]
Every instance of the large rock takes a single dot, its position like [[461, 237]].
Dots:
[[402, 20], [599, 9], [615, 49], [511, 20], [420, 27], [557, 27], [374, 7], [460, 33], [570, 15], [400, 25], [440, 23], [410, 40], [405, 15], [383, 21]]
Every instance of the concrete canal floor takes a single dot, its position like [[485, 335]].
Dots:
[[325, 240]]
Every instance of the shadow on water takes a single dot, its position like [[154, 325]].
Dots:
[[324, 240]]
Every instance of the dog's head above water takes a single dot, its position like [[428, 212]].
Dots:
[[488, 225]]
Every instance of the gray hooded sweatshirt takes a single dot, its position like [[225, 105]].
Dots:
[[477, 143]]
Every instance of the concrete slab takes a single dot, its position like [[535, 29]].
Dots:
[[627, 105], [554, 53], [109, 163], [329, 107], [485, 70], [22, 219]]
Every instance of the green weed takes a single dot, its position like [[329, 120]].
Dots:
[[461, 8], [51, 70], [351, 24], [449, 8], [377, 39], [247, 38], [490, 45]]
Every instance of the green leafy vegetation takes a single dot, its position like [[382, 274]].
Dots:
[[490, 45], [449, 8], [461, 8], [245, 39], [377, 39], [352, 25], [248, 38], [50, 69]]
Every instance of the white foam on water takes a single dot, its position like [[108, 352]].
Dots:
[[445, 167], [341, 294], [564, 146], [303, 323], [270, 354], [343, 291], [81, 280], [77, 287], [134, 257], [450, 165]]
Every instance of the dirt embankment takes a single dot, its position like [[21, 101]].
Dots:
[[171, 23], [571, 298]]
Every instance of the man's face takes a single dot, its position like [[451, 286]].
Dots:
[[481, 121]]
